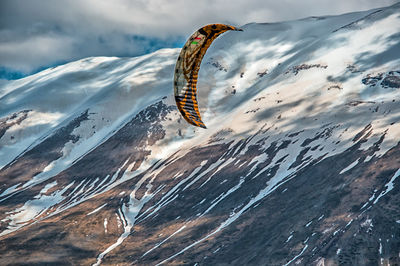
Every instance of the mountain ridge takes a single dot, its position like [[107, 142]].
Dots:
[[299, 163]]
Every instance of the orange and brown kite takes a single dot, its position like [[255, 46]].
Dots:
[[187, 69]]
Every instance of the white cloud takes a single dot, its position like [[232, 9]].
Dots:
[[40, 32], [34, 51]]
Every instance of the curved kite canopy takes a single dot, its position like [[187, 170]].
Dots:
[[187, 69]]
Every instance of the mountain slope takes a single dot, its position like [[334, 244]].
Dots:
[[299, 163]]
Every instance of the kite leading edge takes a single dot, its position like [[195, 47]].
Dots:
[[187, 69]]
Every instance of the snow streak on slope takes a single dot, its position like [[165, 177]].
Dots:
[[114, 89], [303, 127]]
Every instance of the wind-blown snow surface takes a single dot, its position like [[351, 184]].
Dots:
[[299, 164]]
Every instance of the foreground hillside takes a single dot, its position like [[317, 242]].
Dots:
[[299, 164]]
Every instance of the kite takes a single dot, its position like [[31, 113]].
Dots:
[[187, 69]]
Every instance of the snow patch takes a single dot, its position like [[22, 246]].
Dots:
[[389, 186], [349, 167], [97, 209]]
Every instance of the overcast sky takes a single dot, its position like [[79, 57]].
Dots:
[[35, 34]]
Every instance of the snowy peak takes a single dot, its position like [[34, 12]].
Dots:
[[299, 164]]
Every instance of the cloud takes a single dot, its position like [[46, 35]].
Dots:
[[39, 33]]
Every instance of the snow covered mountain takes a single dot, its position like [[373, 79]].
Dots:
[[299, 164]]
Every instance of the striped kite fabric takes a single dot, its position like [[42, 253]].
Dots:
[[187, 69]]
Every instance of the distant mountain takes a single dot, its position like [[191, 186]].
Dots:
[[299, 164]]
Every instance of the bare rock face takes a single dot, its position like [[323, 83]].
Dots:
[[15, 118], [392, 80], [387, 80], [299, 167]]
